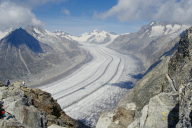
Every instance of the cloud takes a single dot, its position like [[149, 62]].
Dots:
[[130, 10], [65, 11], [13, 15]]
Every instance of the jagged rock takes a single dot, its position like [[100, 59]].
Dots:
[[180, 66], [45, 103], [134, 124], [163, 111], [55, 126], [185, 107], [30, 116], [105, 119], [124, 115], [144, 114], [11, 124], [33, 108], [180, 72]]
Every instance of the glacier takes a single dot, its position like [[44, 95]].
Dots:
[[98, 85]]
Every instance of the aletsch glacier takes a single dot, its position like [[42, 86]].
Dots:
[[97, 86], [100, 84]]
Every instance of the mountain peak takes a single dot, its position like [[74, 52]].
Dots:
[[19, 37]]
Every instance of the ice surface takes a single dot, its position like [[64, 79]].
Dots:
[[97, 86]]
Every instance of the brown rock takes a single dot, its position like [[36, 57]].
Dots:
[[45, 103]]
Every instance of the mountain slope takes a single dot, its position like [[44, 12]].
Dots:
[[26, 58], [151, 41]]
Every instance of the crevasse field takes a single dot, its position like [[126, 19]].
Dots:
[[97, 86]]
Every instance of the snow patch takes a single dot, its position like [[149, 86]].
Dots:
[[171, 29], [157, 31], [143, 34], [152, 23], [37, 31]]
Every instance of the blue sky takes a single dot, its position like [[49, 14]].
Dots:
[[79, 16]]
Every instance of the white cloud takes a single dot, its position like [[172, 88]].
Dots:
[[65, 11], [14, 15], [130, 10]]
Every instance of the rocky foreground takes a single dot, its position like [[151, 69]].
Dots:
[[162, 98], [33, 108]]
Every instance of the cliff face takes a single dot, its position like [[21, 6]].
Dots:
[[162, 97], [180, 72], [33, 108]]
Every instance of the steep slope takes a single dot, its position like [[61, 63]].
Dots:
[[96, 37], [151, 41], [24, 57], [162, 98]]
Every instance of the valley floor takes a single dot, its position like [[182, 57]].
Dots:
[[97, 86]]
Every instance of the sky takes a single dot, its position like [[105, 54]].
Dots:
[[79, 16]]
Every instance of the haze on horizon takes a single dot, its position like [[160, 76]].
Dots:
[[77, 17]]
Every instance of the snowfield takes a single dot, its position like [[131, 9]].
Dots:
[[97, 86]]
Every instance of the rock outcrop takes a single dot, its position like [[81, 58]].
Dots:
[[180, 72], [33, 108], [163, 96]]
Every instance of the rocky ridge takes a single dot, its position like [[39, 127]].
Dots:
[[151, 41], [162, 98], [33, 108]]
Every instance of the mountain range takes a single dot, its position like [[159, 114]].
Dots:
[[151, 41], [95, 37], [35, 54]]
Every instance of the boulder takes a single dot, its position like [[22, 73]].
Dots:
[[125, 115], [44, 102], [105, 119], [30, 116], [162, 111]]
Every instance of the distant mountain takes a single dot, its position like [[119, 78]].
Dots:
[[151, 41], [96, 37], [34, 54], [61, 33]]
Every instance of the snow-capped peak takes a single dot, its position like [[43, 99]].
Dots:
[[60, 33], [95, 37], [162, 28]]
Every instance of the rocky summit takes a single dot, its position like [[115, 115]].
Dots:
[[33, 108], [162, 98]]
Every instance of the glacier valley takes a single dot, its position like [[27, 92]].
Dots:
[[98, 85]]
